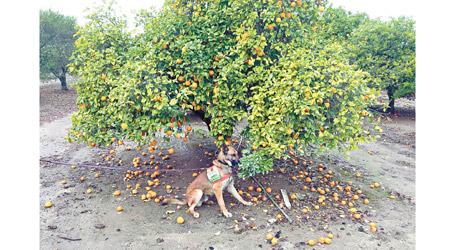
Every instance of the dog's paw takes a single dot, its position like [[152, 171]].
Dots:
[[196, 215], [248, 203], [227, 214]]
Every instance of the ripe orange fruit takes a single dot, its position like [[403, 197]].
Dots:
[[366, 201], [103, 98], [274, 241], [179, 61], [293, 196], [97, 175], [330, 236], [259, 190], [280, 3], [376, 184], [169, 133], [63, 182], [358, 175], [81, 178], [373, 229], [180, 220], [194, 86], [292, 4], [103, 76], [116, 193], [270, 27], [269, 190], [89, 191], [307, 179], [171, 150], [357, 216], [119, 208], [269, 237], [48, 204], [311, 243], [321, 240], [327, 241], [124, 126], [211, 73], [250, 188]]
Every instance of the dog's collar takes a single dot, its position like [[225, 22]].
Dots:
[[224, 163]]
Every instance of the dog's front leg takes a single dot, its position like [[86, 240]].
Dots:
[[219, 197], [232, 190]]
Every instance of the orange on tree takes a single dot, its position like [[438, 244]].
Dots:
[[162, 57]]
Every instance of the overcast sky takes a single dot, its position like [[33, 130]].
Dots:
[[374, 8]]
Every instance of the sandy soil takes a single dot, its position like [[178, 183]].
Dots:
[[78, 220]]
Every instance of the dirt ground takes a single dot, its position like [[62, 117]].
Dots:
[[78, 220]]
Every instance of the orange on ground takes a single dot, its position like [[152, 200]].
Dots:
[[119, 208], [180, 220], [274, 241]]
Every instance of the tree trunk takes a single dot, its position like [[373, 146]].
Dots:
[[63, 81], [207, 120], [390, 92]]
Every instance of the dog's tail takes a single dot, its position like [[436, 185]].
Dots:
[[173, 201]]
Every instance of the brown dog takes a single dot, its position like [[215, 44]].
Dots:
[[213, 181]]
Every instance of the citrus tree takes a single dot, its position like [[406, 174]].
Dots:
[[339, 23], [259, 62], [387, 51], [56, 44]]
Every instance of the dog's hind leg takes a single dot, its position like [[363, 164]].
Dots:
[[194, 199]]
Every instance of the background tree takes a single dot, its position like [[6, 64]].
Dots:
[[387, 51], [56, 45], [224, 61], [339, 23]]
